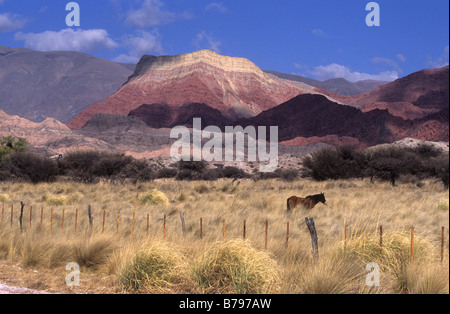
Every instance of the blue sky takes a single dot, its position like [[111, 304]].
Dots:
[[315, 38]]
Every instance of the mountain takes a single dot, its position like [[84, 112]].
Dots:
[[412, 97], [309, 119], [339, 85], [166, 116], [234, 86], [38, 85]]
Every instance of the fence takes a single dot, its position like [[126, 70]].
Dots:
[[310, 223]]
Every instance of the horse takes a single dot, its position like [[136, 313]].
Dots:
[[308, 202]]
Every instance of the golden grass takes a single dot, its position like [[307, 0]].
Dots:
[[211, 265]]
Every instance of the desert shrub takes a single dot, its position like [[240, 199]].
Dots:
[[334, 163], [194, 166], [158, 268], [29, 167], [236, 267], [233, 173], [439, 168], [166, 173], [426, 151], [139, 170], [90, 166], [155, 197], [9, 145], [389, 163]]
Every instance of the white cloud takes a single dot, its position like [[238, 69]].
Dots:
[[441, 61], [205, 40], [11, 21], [138, 45], [68, 40], [152, 13], [340, 71], [319, 33], [389, 62], [216, 6], [401, 57]]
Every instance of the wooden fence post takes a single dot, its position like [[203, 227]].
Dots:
[[51, 220], [165, 221], [245, 229], [63, 216], [287, 234], [148, 223], [412, 244], [442, 244], [118, 222], [183, 224], [103, 223], [76, 220], [223, 230], [314, 239], [132, 226], [345, 236], [22, 205], [266, 234], [381, 237], [90, 218], [201, 228]]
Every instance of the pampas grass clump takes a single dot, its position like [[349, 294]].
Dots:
[[236, 267], [155, 197], [157, 268]]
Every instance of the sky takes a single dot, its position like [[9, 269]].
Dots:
[[320, 39]]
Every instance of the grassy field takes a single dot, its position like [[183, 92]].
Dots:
[[136, 261]]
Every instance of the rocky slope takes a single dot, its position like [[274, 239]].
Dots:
[[38, 85], [412, 97], [309, 119], [234, 86], [161, 116]]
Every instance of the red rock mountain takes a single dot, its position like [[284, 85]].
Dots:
[[309, 119], [166, 116], [234, 86], [412, 97]]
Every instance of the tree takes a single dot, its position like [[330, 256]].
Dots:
[[10, 145]]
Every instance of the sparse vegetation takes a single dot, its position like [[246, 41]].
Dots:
[[116, 263], [383, 163]]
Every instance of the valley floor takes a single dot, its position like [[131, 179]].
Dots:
[[130, 219]]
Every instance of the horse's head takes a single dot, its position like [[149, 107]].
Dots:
[[322, 198]]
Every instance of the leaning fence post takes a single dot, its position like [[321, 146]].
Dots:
[[21, 215], [314, 239]]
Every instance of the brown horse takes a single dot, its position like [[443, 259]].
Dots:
[[308, 202]]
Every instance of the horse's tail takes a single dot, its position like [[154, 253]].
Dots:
[[288, 205]]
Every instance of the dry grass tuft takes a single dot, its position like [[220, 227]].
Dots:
[[157, 268], [236, 267], [155, 197]]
